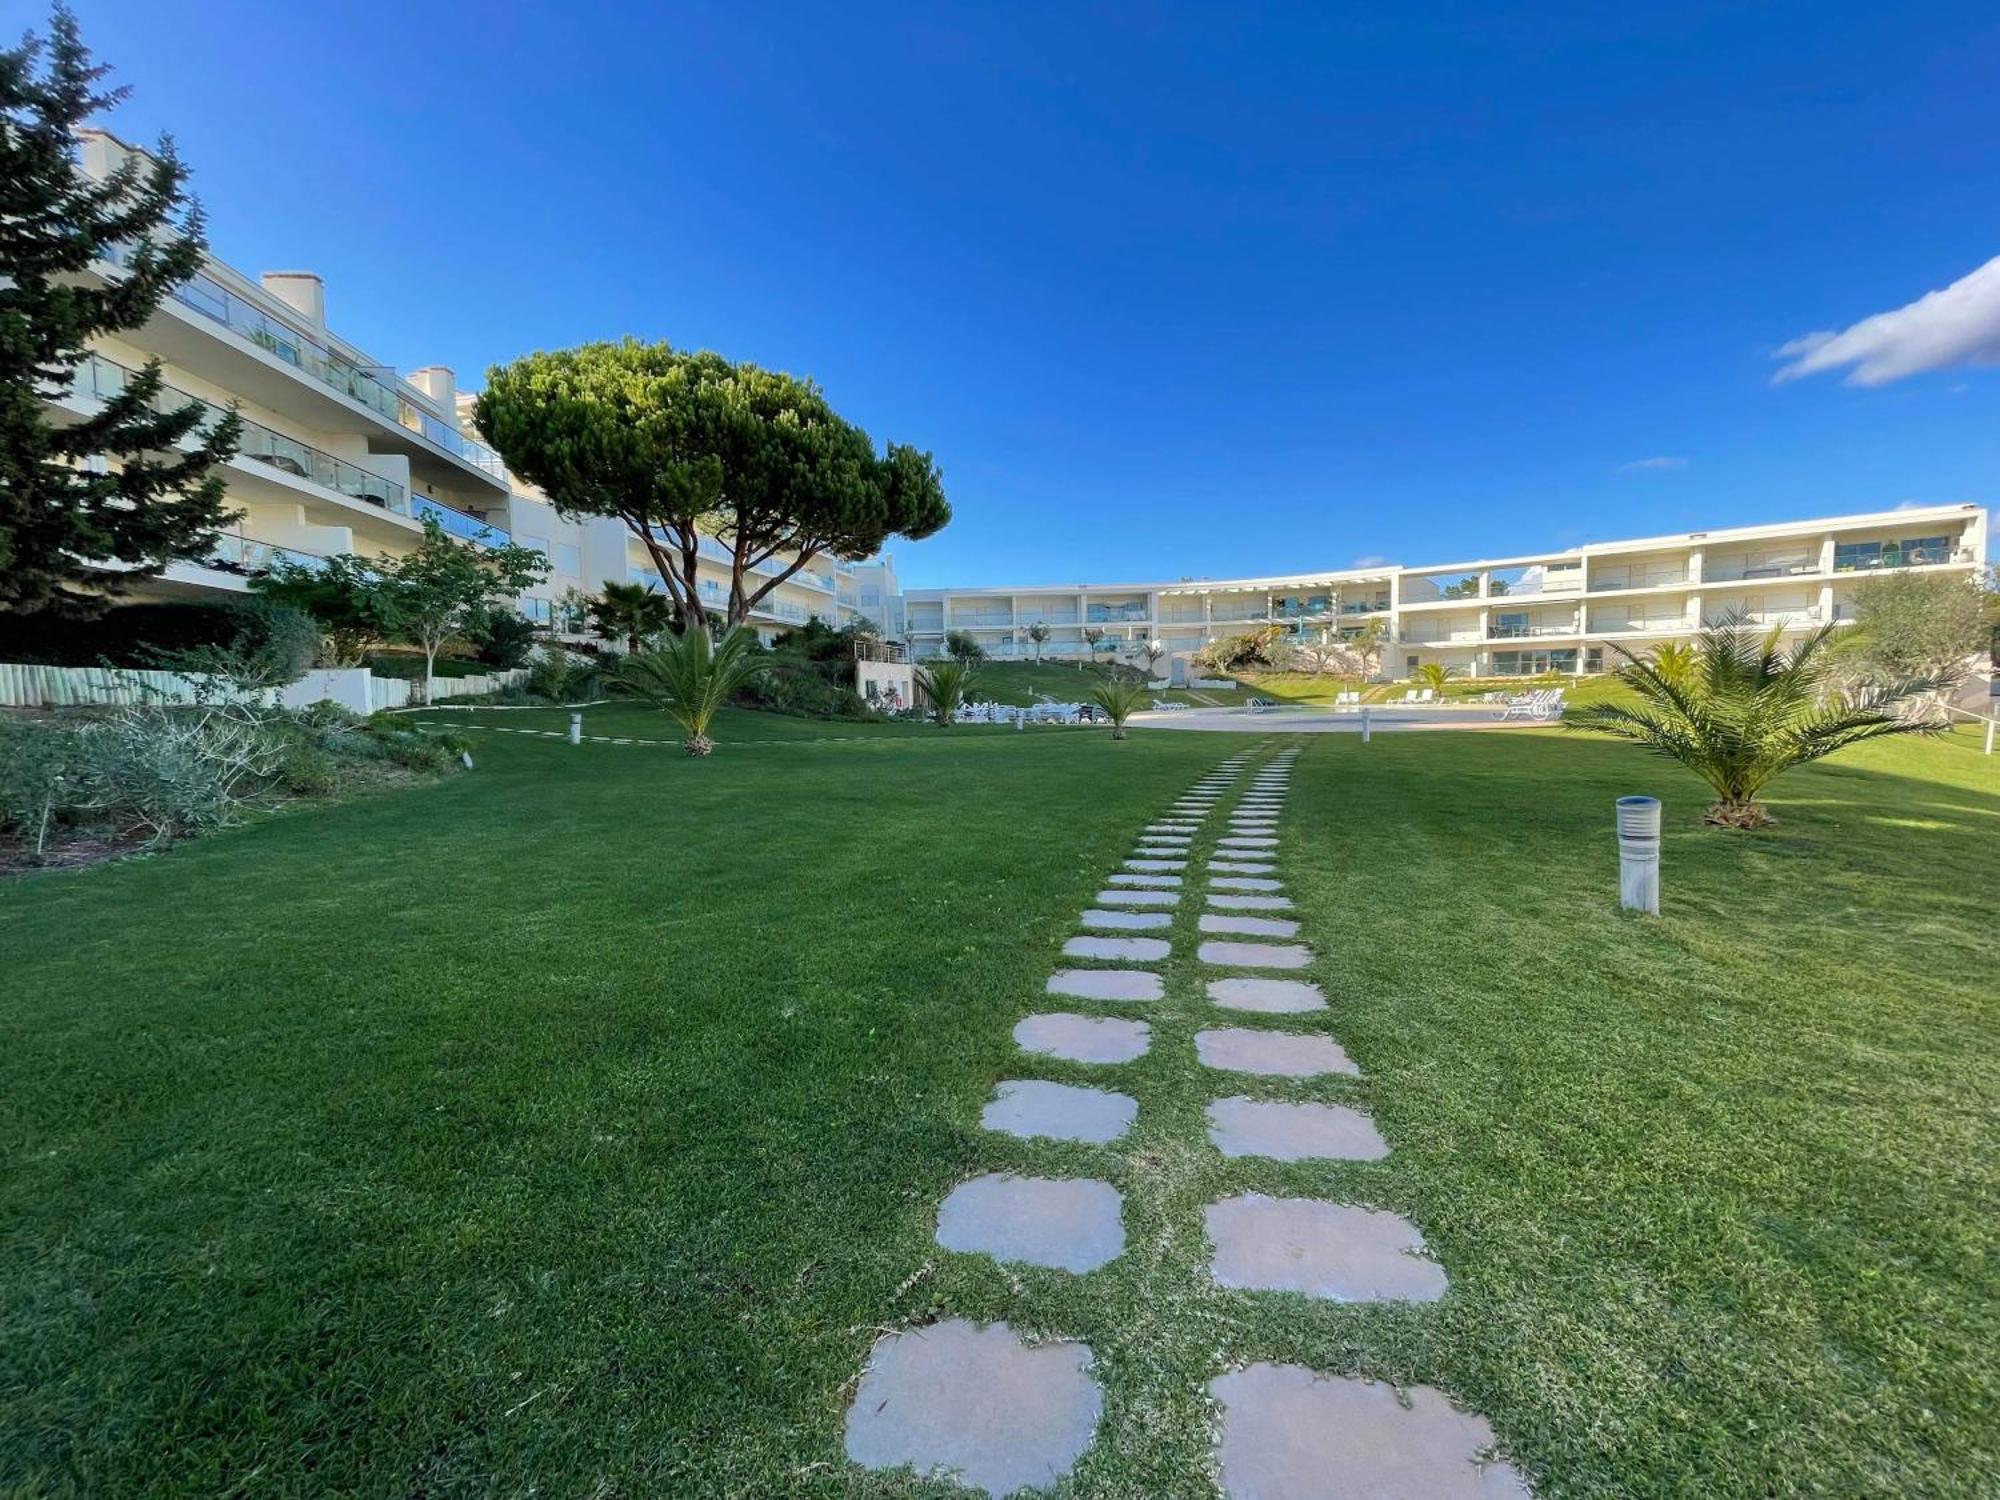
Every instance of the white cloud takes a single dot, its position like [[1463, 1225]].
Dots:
[[1370, 561], [1660, 465], [1957, 326]]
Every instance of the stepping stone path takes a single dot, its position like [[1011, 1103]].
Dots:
[[1083, 1039], [974, 1403], [1062, 1111]]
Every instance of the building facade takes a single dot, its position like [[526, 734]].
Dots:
[[340, 454], [1492, 617]]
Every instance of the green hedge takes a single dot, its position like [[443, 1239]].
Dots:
[[127, 635]]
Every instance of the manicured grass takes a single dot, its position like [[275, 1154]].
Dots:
[[574, 1125], [1026, 683]]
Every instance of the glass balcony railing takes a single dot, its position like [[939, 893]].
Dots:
[[232, 552], [1864, 557], [1100, 614], [457, 523], [105, 378], [1635, 578], [373, 387]]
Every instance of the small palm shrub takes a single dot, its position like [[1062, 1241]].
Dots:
[[1434, 675], [1743, 711], [945, 686], [1118, 698], [691, 677]]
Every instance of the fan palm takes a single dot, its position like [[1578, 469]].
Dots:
[[1118, 698], [1742, 711], [946, 685], [630, 610], [691, 677]]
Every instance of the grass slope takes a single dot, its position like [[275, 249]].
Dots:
[[576, 1124]]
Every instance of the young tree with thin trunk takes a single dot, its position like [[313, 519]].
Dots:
[[1039, 634], [440, 590], [684, 446], [89, 508]]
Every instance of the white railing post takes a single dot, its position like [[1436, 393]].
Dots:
[[1639, 854], [576, 729]]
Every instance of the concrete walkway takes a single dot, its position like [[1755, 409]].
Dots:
[[1307, 719]]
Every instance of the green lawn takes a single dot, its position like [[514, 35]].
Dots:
[[573, 1126]]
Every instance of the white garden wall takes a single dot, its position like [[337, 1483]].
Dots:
[[354, 688]]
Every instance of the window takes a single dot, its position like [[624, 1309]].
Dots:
[[538, 610], [567, 560], [538, 543]]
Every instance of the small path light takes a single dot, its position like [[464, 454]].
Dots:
[[1639, 854], [576, 729], [1365, 731]]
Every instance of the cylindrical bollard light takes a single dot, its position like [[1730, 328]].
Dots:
[[1365, 731], [576, 729], [1639, 854]]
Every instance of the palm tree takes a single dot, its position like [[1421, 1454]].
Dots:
[[946, 685], [630, 610], [1118, 698], [1038, 633], [1434, 675], [1745, 711], [1675, 661], [1153, 650], [691, 676]]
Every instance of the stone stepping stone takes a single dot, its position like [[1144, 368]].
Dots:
[[1268, 996], [1156, 864], [1029, 1107], [1255, 955], [1290, 1433], [1066, 1223], [1242, 866], [975, 1404], [1248, 841], [1249, 926], [1156, 882], [1083, 1039], [1125, 950], [1248, 822], [1174, 826], [1251, 903], [1244, 883], [1284, 1131], [1105, 984], [1138, 898], [1274, 1054], [1126, 921], [1337, 1251], [1171, 840]]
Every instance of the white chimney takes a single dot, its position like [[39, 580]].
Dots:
[[438, 383], [302, 291]]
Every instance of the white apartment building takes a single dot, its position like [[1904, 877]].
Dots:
[[1492, 617], [341, 454]]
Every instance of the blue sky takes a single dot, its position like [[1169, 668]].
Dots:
[[1171, 290]]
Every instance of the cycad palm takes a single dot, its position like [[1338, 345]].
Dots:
[[691, 677], [1741, 711], [946, 685], [1118, 698]]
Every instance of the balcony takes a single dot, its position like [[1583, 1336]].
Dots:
[[232, 552], [103, 379], [1757, 572], [376, 388], [1116, 614], [991, 620], [1604, 579], [457, 523], [1787, 619], [1529, 631], [1869, 557]]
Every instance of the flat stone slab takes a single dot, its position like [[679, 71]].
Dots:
[[1138, 898], [1150, 882], [1156, 864], [1245, 883], [1126, 921], [1289, 1433], [1067, 1223], [1242, 866], [1284, 1131], [1120, 949], [1250, 903], [1268, 996], [1247, 841], [1337, 1251], [1029, 1107], [1083, 1039], [1106, 984], [1255, 955], [976, 1404], [1250, 926], [1275, 1054]]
